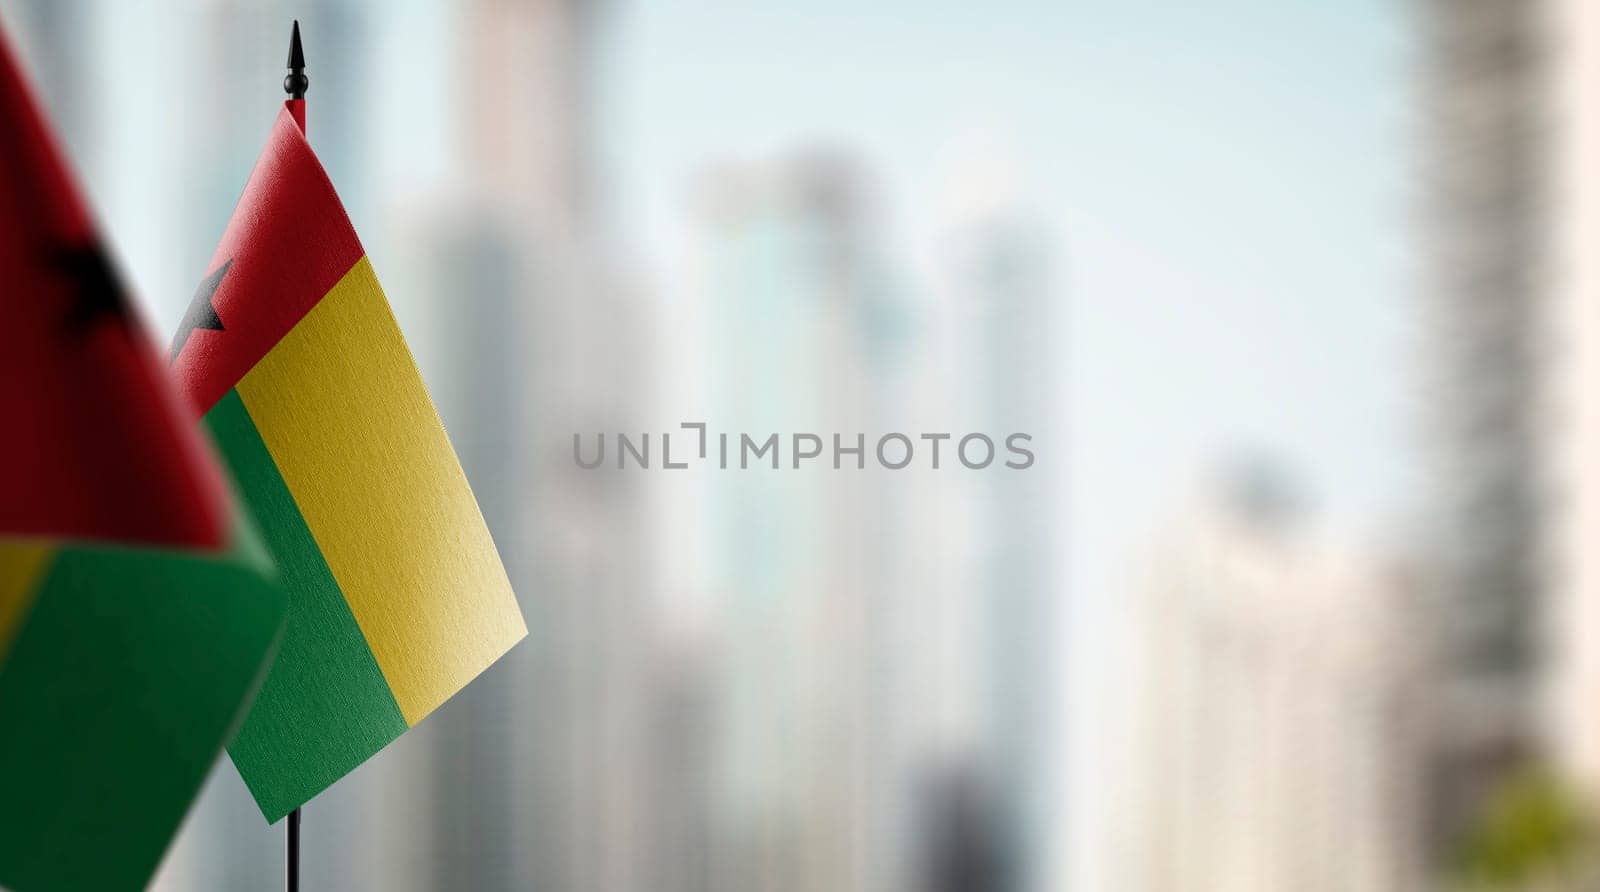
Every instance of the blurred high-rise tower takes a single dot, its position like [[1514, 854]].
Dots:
[[1009, 278], [537, 778], [795, 298], [1278, 723], [1483, 211]]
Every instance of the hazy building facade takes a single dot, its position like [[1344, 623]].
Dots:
[[1002, 312], [545, 763], [1484, 280], [792, 292], [1277, 730]]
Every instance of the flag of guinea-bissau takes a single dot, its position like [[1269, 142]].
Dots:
[[135, 618], [397, 596]]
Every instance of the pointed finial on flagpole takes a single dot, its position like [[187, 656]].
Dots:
[[296, 82]]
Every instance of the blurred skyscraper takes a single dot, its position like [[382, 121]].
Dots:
[[538, 776], [1278, 727], [981, 621], [795, 299], [1007, 274], [1487, 254]]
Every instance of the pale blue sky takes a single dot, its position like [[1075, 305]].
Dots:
[[1225, 182]]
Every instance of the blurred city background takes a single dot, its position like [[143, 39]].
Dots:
[[1299, 301]]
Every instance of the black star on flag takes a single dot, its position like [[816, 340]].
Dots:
[[201, 313], [96, 291]]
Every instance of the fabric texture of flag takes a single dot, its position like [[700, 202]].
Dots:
[[397, 595], [136, 617]]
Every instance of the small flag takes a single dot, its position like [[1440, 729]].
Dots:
[[135, 619], [397, 596]]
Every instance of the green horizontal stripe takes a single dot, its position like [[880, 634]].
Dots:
[[122, 685], [325, 706]]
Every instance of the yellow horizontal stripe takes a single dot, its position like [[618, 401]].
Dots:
[[347, 419], [22, 568]]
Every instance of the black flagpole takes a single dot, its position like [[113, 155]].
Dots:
[[295, 84], [294, 851]]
